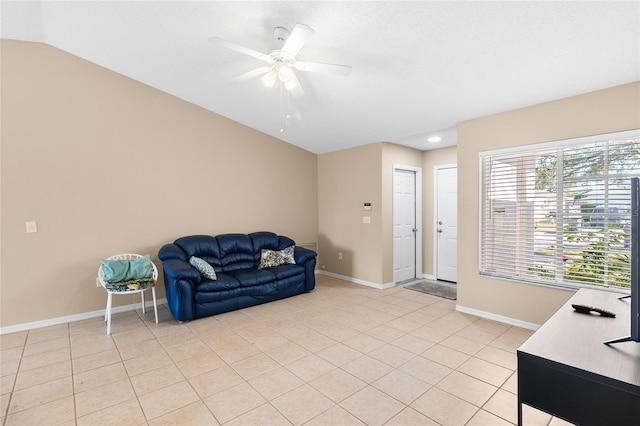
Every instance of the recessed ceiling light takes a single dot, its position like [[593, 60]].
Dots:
[[434, 139]]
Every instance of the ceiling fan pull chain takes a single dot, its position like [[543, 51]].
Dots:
[[281, 109]]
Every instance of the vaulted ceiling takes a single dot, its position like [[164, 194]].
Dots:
[[418, 67]]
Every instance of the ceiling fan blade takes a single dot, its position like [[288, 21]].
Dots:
[[297, 39], [323, 68], [293, 86], [251, 74], [229, 45]]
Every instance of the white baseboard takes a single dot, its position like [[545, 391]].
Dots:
[[357, 281], [498, 318], [429, 277], [77, 317]]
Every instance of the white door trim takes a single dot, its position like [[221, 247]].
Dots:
[[435, 212], [418, 172]]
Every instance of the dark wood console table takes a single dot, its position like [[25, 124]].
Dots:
[[566, 370]]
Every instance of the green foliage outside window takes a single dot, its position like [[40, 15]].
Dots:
[[593, 263]]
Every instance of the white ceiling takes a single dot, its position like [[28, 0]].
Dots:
[[418, 67]]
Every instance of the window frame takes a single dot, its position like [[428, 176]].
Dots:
[[533, 149]]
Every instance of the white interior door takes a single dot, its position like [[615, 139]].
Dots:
[[404, 225], [447, 224]]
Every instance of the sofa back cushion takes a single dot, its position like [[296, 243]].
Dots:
[[236, 252], [203, 246], [268, 241], [230, 252]]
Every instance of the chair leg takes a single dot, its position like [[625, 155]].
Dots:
[[108, 313], [143, 309], [106, 309], [155, 307]]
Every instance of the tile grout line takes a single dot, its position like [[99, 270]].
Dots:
[[73, 382], [15, 380], [200, 399]]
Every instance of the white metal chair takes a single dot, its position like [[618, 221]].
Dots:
[[110, 293]]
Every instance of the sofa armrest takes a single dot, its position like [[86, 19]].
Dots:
[[180, 280], [302, 255], [172, 251], [177, 269], [307, 258]]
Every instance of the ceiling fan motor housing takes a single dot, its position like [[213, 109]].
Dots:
[[280, 33]]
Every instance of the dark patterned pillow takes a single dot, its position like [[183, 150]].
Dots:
[[131, 285], [203, 267], [271, 258]]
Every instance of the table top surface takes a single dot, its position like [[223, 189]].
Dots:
[[577, 340]]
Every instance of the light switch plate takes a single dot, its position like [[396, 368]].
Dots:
[[32, 226]]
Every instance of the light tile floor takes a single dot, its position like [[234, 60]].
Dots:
[[342, 355]]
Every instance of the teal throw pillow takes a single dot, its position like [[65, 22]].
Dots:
[[126, 270], [203, 267], [140, 268], [271, 258]]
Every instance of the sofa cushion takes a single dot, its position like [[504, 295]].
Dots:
[[223, 282], [260, 290], [203, 246], [264, 240], [286, 271], [202, 298], [271, 258], [203, 267], [251, 277], [236, 252], [284, 242], [292, 281]]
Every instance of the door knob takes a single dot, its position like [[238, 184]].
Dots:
[[439, 230]]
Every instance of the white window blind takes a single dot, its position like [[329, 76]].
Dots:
[[560, 214]]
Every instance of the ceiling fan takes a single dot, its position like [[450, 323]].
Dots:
[[280, 63]]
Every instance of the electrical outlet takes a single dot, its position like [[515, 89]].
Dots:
[[339, 255]]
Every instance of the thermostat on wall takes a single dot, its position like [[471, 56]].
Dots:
[[367, 206]]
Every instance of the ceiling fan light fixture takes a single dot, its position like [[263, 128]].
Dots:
[[284, 73], [291, 83], [269, 79]]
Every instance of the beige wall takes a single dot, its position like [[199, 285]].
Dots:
[[604, 111], [346, 180], [106, 165], [431, 159]]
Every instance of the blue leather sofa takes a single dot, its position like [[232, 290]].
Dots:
[[239, 281]]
